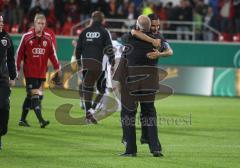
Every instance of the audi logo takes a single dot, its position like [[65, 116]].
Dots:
[[38, 51], [93, 35]]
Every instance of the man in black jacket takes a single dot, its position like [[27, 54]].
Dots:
[[164, 51], [139, 84], [7, 77], [93, 43]]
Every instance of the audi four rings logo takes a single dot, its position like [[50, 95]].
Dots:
[[93, 35], [38, 51]]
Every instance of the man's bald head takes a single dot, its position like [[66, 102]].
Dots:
[[143, 23]]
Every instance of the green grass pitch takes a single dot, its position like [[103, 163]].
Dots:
[[202, 132]]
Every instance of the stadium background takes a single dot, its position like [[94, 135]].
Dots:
[[215, 21], [195, 131], [206, 68]]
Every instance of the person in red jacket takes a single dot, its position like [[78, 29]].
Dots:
[[35, 49], [53, 37]]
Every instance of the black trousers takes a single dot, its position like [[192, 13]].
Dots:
[[148, 121], [4, 109], [90, 78], [149, 125]]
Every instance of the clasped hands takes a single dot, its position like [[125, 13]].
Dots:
[[155, 53]]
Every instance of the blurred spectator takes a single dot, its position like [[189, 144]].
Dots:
[[123, 9], [137, 3], [214, 5], [198, 18], [201, 7], [50, 16], [7, 13], [131, 12], [58, 28], [171, 13], [34, 3], [130, 15], [1, 4], [148, 8], [94, 5], [102, 5], [184, 14], [161, 12], [209, 20], [25, 5], [18, 13], [114, 14], [200, 10], [24, 27], [59, 8], [44, 4], [226, 16], [84, 9], [71, 11], [35, 8], [222, 15], [66, 30], [237, 16], [112, 9]]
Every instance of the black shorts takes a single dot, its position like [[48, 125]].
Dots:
[[33, 83]]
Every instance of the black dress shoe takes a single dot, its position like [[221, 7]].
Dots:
[[90, 118], [44, 124], [157, 154], [128, 154], [144, 141]]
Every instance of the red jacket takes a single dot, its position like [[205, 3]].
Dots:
[[34, 52]]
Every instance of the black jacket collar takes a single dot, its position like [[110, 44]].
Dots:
[[3, 33]]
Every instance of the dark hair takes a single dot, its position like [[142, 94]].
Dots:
[[97, 16], [153, 17]]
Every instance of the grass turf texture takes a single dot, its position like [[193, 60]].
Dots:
[[210, 140]]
